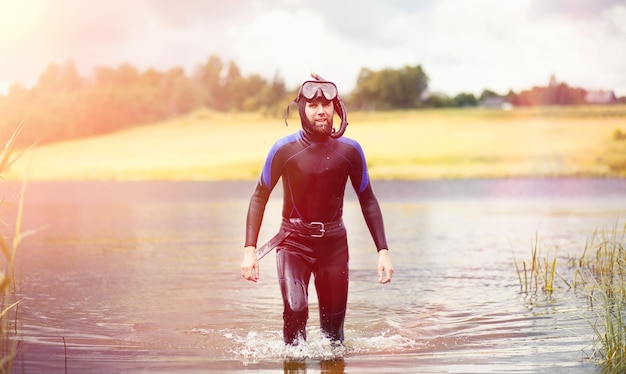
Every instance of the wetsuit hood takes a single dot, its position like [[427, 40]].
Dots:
[[311, 94]]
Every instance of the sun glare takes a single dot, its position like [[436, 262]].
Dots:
[[19, 20]]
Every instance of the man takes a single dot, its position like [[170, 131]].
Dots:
[[314, 164]]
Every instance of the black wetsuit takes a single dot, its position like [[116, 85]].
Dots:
[[314, 174]]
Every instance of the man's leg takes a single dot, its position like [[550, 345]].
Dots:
[[293, 276], [331, 283]]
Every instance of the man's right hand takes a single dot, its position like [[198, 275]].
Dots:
[[250, 265]]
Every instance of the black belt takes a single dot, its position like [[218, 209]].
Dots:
[[313, 229]]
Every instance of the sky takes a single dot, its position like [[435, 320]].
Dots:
[[463, 46]]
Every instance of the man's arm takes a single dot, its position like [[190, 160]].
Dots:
[[254, 219], [256, 209], [374, 220], [373, 217]]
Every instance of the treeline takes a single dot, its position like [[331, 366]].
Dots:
[[553, 94], [64, 105]]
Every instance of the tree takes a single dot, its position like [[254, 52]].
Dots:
[[487, 94], [390, 88], [233, 89], [208, 80], [277, 92], [365, 94], [255, 92], [413, 82], [179, 92], [465, 100]]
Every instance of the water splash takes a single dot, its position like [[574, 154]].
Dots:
[[385, 342], [257, 345]]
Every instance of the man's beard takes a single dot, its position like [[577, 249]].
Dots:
[[319, 129]]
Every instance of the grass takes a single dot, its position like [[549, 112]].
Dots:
[[538, 274], [610, 331], [604, 259], [600, 271], [9, 313], [414, 144]]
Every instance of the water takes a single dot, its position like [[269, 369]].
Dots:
[[144, 276]]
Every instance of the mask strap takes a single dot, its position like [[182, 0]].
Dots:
[[340, 108], [287, 112]]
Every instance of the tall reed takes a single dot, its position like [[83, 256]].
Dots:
[[604, 261], [600, 271], [8, 304], [538, 274]]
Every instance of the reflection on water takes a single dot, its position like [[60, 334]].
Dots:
[[141, 276]]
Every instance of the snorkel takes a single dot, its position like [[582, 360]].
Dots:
[[311, 89], [340, 109]]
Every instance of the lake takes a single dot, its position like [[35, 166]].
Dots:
[[144, 277]]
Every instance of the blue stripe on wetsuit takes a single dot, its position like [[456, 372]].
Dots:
[[266, 175], [365, 177]]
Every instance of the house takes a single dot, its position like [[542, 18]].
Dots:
[[600, 97], [496, 102]]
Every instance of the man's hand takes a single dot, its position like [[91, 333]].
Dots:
[[385, 269], [250, 265]]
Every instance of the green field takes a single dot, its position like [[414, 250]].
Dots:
[[418, 144]]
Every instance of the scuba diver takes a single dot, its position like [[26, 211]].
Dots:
[[314, 164]]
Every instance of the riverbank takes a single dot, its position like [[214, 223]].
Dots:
[[420, 144]]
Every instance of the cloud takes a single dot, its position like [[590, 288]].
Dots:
[[463, 46], [374, 23], [574, 10]]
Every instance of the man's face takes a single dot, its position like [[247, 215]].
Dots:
[[320, 113]]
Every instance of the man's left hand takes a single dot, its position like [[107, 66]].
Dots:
[[385, 269]]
